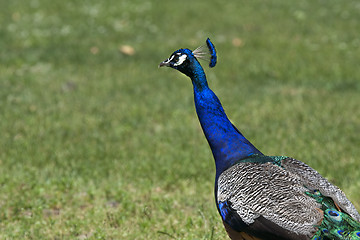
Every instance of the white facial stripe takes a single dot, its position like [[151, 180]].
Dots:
[[169, 59], [182, 58]]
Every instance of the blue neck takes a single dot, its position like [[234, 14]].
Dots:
[[228, 145]]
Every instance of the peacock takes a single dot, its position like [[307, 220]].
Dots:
[[260, 196]]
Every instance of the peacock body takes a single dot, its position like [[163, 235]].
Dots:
[[259, 196]]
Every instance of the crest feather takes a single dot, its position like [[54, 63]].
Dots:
[[206, 52]]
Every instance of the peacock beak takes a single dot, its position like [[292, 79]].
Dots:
[[165, 63]]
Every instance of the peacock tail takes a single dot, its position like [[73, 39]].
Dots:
[[335, 224], [260, 196]]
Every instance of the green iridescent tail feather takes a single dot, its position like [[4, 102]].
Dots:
[[336, 224]]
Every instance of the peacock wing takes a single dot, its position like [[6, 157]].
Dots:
[[267, 200]]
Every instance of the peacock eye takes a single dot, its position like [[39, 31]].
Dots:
[[179, 59], [176, 58]]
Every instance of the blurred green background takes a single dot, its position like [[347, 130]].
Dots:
[[98, 143]]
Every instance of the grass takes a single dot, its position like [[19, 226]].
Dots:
[[98, 144]]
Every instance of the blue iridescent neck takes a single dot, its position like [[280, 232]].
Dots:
[[228, 145]]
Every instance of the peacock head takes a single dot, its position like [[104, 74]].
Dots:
[[182, 60], [185, 60]]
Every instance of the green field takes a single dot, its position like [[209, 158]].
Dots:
[[98, 143]]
